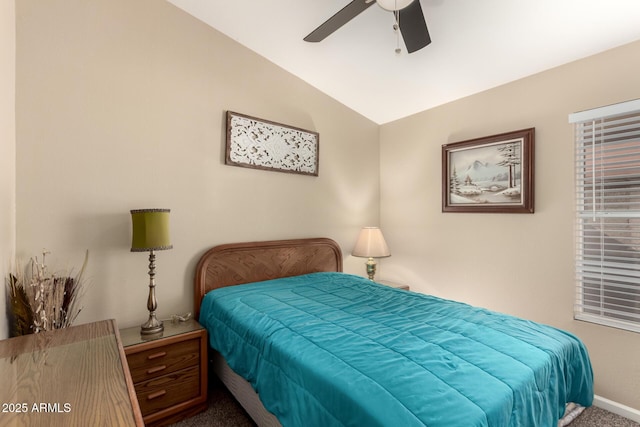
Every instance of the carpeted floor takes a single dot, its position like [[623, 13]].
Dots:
[[224, 411], [596, 417]]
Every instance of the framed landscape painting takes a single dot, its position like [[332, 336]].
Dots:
[[494, 174]]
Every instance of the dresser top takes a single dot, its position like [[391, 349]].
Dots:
[[71, 376]]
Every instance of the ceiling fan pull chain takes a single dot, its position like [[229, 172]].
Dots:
[[396, 28]]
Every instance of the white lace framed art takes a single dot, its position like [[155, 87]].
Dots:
[[262, 144]]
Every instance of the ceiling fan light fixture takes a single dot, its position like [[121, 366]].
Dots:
[[393, 5]]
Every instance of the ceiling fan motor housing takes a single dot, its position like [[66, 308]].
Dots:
[[393, 5]]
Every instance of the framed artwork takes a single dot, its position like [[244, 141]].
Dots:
[[262, 144], [494, 174]]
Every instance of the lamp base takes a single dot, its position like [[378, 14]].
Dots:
[[371, 268], [151, 326]]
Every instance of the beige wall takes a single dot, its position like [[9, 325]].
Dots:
[[120, 105], [7, 148], [517, 263]]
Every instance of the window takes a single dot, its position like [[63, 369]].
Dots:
[[607, 164]]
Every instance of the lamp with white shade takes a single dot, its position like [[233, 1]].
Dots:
[[371, 244]]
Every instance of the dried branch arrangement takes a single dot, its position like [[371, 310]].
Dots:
[[43, 301]]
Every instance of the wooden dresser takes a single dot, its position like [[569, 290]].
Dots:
[[169, 370], [68, 377]]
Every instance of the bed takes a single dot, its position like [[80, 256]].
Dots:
[[301, 343]]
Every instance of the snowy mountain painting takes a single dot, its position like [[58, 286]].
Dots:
[[487, 174]]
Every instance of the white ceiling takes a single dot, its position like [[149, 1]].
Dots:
[[476, 45]]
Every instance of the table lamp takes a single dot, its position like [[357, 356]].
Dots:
[[151, 233], [371, 244]]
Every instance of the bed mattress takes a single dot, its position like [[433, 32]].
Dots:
[[332, 349]]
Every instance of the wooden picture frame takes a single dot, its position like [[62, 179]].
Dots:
[[493, 174], [263, 144]]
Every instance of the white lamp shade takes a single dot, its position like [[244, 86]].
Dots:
[[371, 244]]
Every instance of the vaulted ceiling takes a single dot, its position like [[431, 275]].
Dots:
[[476, 45]]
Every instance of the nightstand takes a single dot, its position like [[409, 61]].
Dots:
[[169, 370], [393, 284]]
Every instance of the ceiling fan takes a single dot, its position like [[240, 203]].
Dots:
[[408, 16]]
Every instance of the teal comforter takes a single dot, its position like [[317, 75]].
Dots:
[[332, 349]]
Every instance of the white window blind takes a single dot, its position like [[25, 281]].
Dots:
[[607, 164]]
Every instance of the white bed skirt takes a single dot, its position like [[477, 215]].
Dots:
[[243, 392]]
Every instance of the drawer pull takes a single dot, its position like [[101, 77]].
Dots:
[[156, 369], [156, 394], [156, 355]]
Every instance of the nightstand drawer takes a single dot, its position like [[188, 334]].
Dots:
[[168, 390], [156, 362]]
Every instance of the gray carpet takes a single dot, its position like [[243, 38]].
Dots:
[[224, 411], [596, 417]]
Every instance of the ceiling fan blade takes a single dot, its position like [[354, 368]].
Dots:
[[346, 14], [413, 27]]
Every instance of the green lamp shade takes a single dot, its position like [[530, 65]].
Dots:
[[150, 230]]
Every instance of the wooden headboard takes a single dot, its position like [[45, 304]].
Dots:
[[238, 263]]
